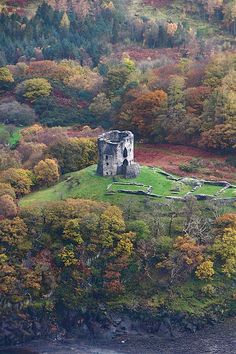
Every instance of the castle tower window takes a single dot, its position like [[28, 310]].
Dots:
[[106, 157], [125, 153], [125, 162]]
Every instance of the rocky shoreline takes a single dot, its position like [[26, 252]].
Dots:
[[220, 338]]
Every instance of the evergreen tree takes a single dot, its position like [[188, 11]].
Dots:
[[65, 22]]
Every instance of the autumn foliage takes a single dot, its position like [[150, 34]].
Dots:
[[47, 172]]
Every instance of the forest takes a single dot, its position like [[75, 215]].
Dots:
[[70, 70], [66, 74]]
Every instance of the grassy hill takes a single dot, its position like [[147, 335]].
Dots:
[[86, 184]]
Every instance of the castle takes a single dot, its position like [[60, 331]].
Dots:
[[116, 154]]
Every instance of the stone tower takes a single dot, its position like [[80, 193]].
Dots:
[[116, 154]]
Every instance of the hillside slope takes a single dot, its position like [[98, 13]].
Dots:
[[208, 22], [87, 184], [81, 7], [204, 16]]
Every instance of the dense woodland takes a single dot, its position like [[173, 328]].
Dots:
[[189, 102], [66, 74], [168, 80]]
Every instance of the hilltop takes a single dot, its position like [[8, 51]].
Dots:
[[152, 183]]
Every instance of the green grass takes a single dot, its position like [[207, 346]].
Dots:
[[207, 189], [128, 187], [87, 185], [230, 192]]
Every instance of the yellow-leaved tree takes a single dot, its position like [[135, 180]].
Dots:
[[225, 249], [34, 88], [205, 270], [47, 172], [65, 22], [20, 180], [5, 77]]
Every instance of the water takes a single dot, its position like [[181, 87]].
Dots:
[[220, 339]]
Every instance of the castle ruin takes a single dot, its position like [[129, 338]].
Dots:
[[116, 154]]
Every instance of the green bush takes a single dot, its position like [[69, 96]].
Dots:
[[192, 166], [231, 160]]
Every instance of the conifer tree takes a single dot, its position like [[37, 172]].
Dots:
[[65, 22]]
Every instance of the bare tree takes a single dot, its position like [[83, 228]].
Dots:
[[199, 228]]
